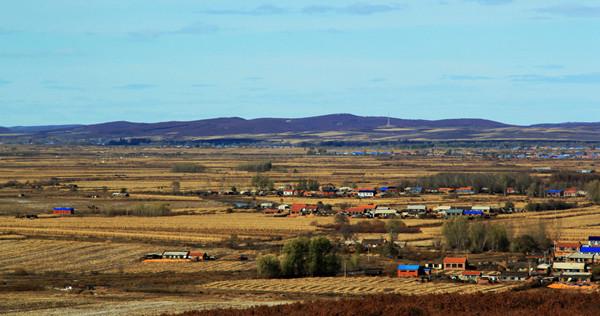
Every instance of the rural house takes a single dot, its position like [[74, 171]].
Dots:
[[409, 270], [366, 193], [455, 263], [465, 190], [554, 193], [570, 192], [563, 249], [63, 211], [594, 241]]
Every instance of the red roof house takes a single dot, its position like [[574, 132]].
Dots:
[[455, 263]]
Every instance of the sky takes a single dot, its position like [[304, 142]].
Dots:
[[520, 62]]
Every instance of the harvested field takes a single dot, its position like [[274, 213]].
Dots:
[[80, 256], [352, 286]]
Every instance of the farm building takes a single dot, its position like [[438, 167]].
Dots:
[[570, 192], [372, 243], [543, 269], [409, 270], [484, 208], [594, 240], [554, 193], [63, 211], [575, 277], [366, 193], [560, 267], [511, 276], [465, 190], [153, 256], [587, 258], [299, 209], [198, 255], [451, 213], [455, 263], [446, 190], [384, 212], [472, 213], [416, 209], [440, 208], [434, 265], [413, 190], [563, 249], [470, 275], [360, 209], [175, 255], [590, 249]]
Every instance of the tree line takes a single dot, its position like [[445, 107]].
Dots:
[[476, 237]]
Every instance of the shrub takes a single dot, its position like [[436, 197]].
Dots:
[[256, 166], [187, 168], [268, 266]]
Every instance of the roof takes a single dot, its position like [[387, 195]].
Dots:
[[581, 255], [473, 212], [175, 253], [361, 208], [300, 207], [455, 260], [465, 189], [477, 273], [569, 265], [571, 190], [197, 253], [594, 238], [366, 190], [481, 207], [543, 266], [416, 207], [562, 244], [442, 208], [409, 267], [64, 208], [588, 249], [554, 191]]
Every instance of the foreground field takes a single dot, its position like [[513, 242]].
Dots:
[[542, 302]]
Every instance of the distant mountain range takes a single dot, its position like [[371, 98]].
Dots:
[[334, 127]]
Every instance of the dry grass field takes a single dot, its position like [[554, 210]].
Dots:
[[353, 286]]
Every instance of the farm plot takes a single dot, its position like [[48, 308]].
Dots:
[[352, 286], [67, 256], [206, 266], [205, 228]]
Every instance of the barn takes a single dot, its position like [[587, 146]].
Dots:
[[63, 211]]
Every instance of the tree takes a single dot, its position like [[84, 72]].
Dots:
[[321, 259], [175, 187], [478, 237], [294, 257], [593, 191], [393, 227], [509, 205], [456, 233], [268, 266], [262, 182], [498, 238]]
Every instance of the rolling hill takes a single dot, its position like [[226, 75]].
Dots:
[[333, 127]]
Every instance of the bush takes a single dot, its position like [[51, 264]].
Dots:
[[187, 168], [302, 257], [256, 166], [141, 210], [551, 205], [268, 266], [475, 237]]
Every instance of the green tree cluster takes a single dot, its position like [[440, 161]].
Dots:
[[301, 257]]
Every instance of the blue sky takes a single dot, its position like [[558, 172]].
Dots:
[[520, 62]]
